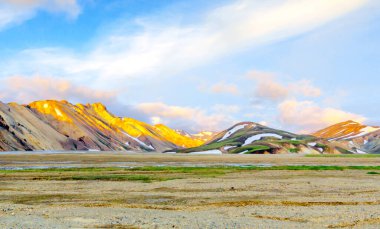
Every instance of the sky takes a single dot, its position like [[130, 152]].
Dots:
[[298, 65]]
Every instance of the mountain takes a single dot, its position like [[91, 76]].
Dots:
[[253, 138], [345, 130], [353, 136], [203, 135], [60, 125]]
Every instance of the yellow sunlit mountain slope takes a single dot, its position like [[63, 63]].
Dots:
[[63, 125]]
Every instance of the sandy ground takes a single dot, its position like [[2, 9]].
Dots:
[[247, 199]]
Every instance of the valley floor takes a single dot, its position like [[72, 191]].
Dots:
[[253, 191]]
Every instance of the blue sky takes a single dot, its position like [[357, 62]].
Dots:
[[298, 65]]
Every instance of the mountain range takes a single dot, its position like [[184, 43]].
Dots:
[[60, 125], [252, 138]]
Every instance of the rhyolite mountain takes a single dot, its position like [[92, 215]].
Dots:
[[252, 138], [60, 125], [353, 136]]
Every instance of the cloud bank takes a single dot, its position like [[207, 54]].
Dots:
[[188, 118], [14, 12], [308, 117], [158, 49], [269, 88], [28, 89]]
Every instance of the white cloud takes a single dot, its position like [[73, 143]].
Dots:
[[226, 109], [306, 116], [155, 120], [269, 88], [16, 11], [305, 88], [159, 49], [187, 118], [220, 88], [264, 123], [28, 89]]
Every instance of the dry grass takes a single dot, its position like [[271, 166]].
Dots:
[[116, 226], [287, 203], [356, 223], [298, 220]]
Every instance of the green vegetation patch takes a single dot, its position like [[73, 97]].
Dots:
[[197, 171], [344, 151], [320, 145], [158, 173], [119, 177], [293, 142], [43, 198], [345, 155], [237, 168], [211, 146], [178, 169], [373, 173], [84, 169], [250, 149]]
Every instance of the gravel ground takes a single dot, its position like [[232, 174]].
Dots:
[[251, 199]]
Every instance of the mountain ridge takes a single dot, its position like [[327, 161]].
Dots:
[[347, 129], [353, 136], [253, 138], [60, 125]]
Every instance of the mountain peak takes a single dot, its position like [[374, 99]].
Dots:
[[352, 122], [53, 108], [345, 130], [99, 105]]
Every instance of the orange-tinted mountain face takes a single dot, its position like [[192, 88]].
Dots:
[[60, 125], [353, 136], [345, 130]]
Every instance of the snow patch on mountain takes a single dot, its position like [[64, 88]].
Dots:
[[232, 131], [259, 136], [139, 141], [358, 151], [313, 144], [229, 147], [93, 150], [207, 152], [364, 131], [245, 151]]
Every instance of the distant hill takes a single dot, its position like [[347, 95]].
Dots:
[[253, 138]]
